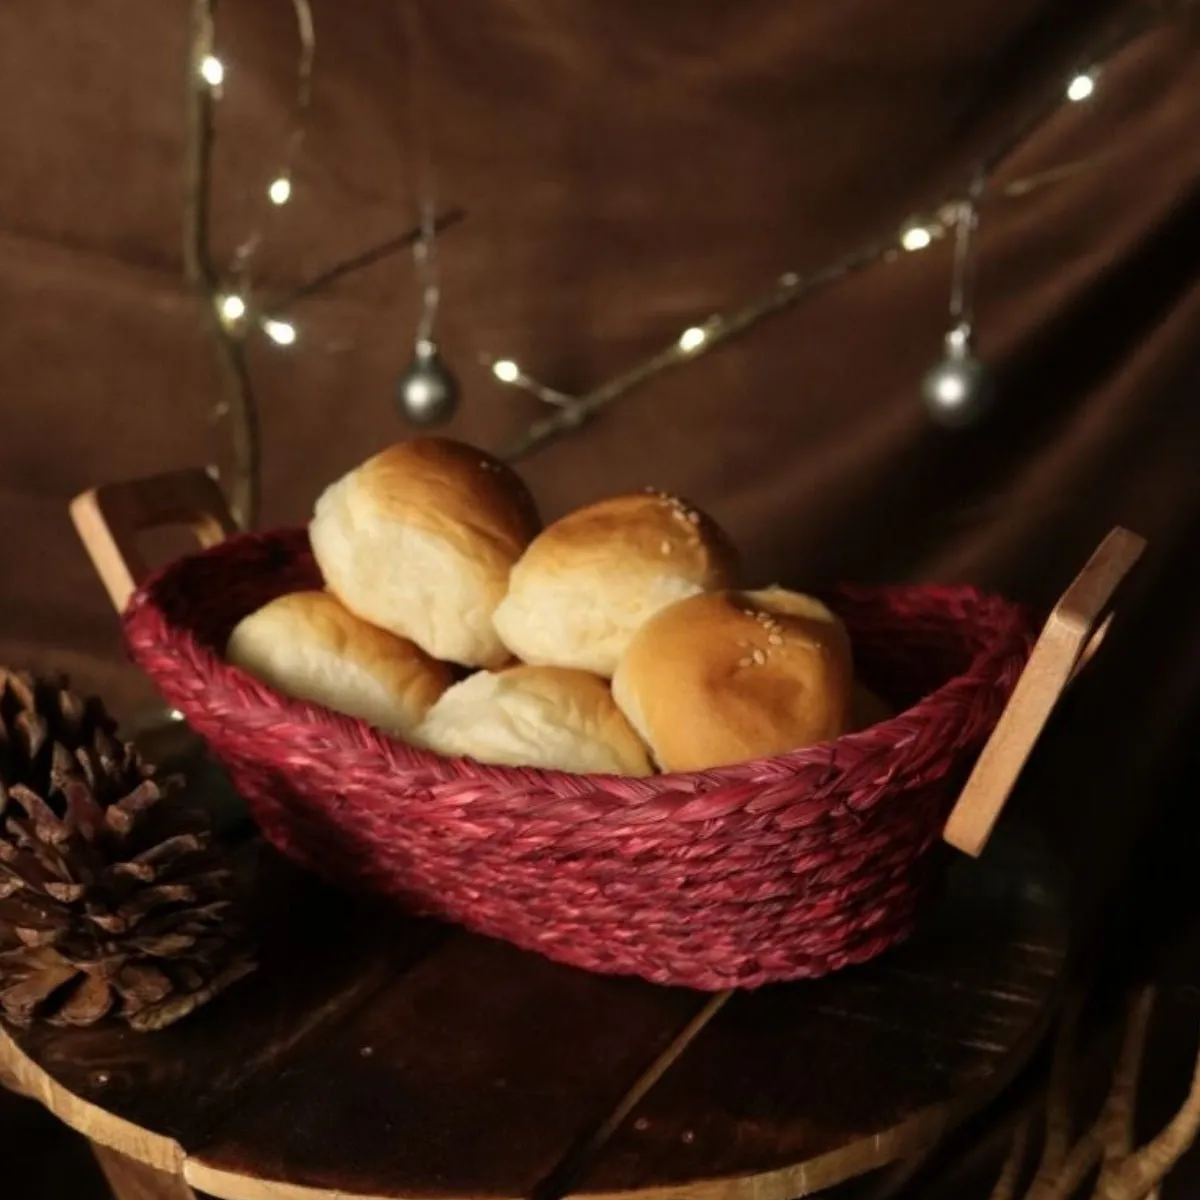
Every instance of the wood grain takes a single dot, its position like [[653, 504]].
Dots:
[[110, 519], [149, 1095], [794, 1089], [1071, 635], [470, 1074], [377, 1057]]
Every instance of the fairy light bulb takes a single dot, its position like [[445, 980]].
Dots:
[[280, 190], [506, 370], [212, 70], [282, 333], [917, 237], [692, 339], [1081, 87], [231, 307]]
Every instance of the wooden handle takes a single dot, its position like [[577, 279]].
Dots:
[[1068, 641], [109, 520]]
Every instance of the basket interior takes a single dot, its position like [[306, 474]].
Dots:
[[211, 591]]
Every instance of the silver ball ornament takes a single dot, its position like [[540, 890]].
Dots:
[[427, 393], [959, 389]]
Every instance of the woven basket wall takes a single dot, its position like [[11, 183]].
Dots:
[[771, 870]]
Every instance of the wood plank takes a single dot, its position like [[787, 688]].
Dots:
[[1070, 637], [378, 1056], [472, 1074], [110, 519], [796, 1088], [149, 1095], [481, 1069]]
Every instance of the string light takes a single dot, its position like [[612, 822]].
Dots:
[[791, 287], [212, 70], [282, 333], [1081, 87], [507, 372], [916, 237], [279, 190], [788, 289], [231, 307]]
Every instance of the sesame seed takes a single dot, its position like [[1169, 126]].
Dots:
[[759, 657], [745, 662], [775, 640], [666, 547]]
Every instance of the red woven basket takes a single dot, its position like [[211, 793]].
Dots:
[[765, 871]]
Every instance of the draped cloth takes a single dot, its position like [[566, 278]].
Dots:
[[628, 169]]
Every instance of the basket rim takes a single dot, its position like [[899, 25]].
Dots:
[[1010, 641]]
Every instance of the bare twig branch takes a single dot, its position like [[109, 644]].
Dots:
[[240, 407], [1082, 1158], [1144, 1170], [365, 258], [793, 287], [245, 439], [197, 188], [307, 37], [1125, 1173], [790, 289], [1064, 1165], [1010, 1173], [1122, 1101], [1058, 1097]]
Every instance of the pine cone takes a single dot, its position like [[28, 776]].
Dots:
[[113, 898]]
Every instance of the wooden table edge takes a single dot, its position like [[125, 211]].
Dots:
[[163, 1154], [909, 1136], [905, 1138], [24, 1076]]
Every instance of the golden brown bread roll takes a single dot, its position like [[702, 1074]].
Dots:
[[548, 717], [420, 539], [732, 676], [588, 581], [307, 645]]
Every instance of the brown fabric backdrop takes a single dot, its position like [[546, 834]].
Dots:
[[628, 168]]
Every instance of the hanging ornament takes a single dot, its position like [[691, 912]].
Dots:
[[427, 392], [959, 389]]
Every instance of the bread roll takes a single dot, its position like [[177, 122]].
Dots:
[[308, 646], [732, 676], [591, 579], [420, 539], [549, 717]]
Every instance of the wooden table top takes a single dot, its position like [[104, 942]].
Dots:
[[374, 1055]]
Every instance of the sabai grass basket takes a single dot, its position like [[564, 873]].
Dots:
[[777, 869]]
